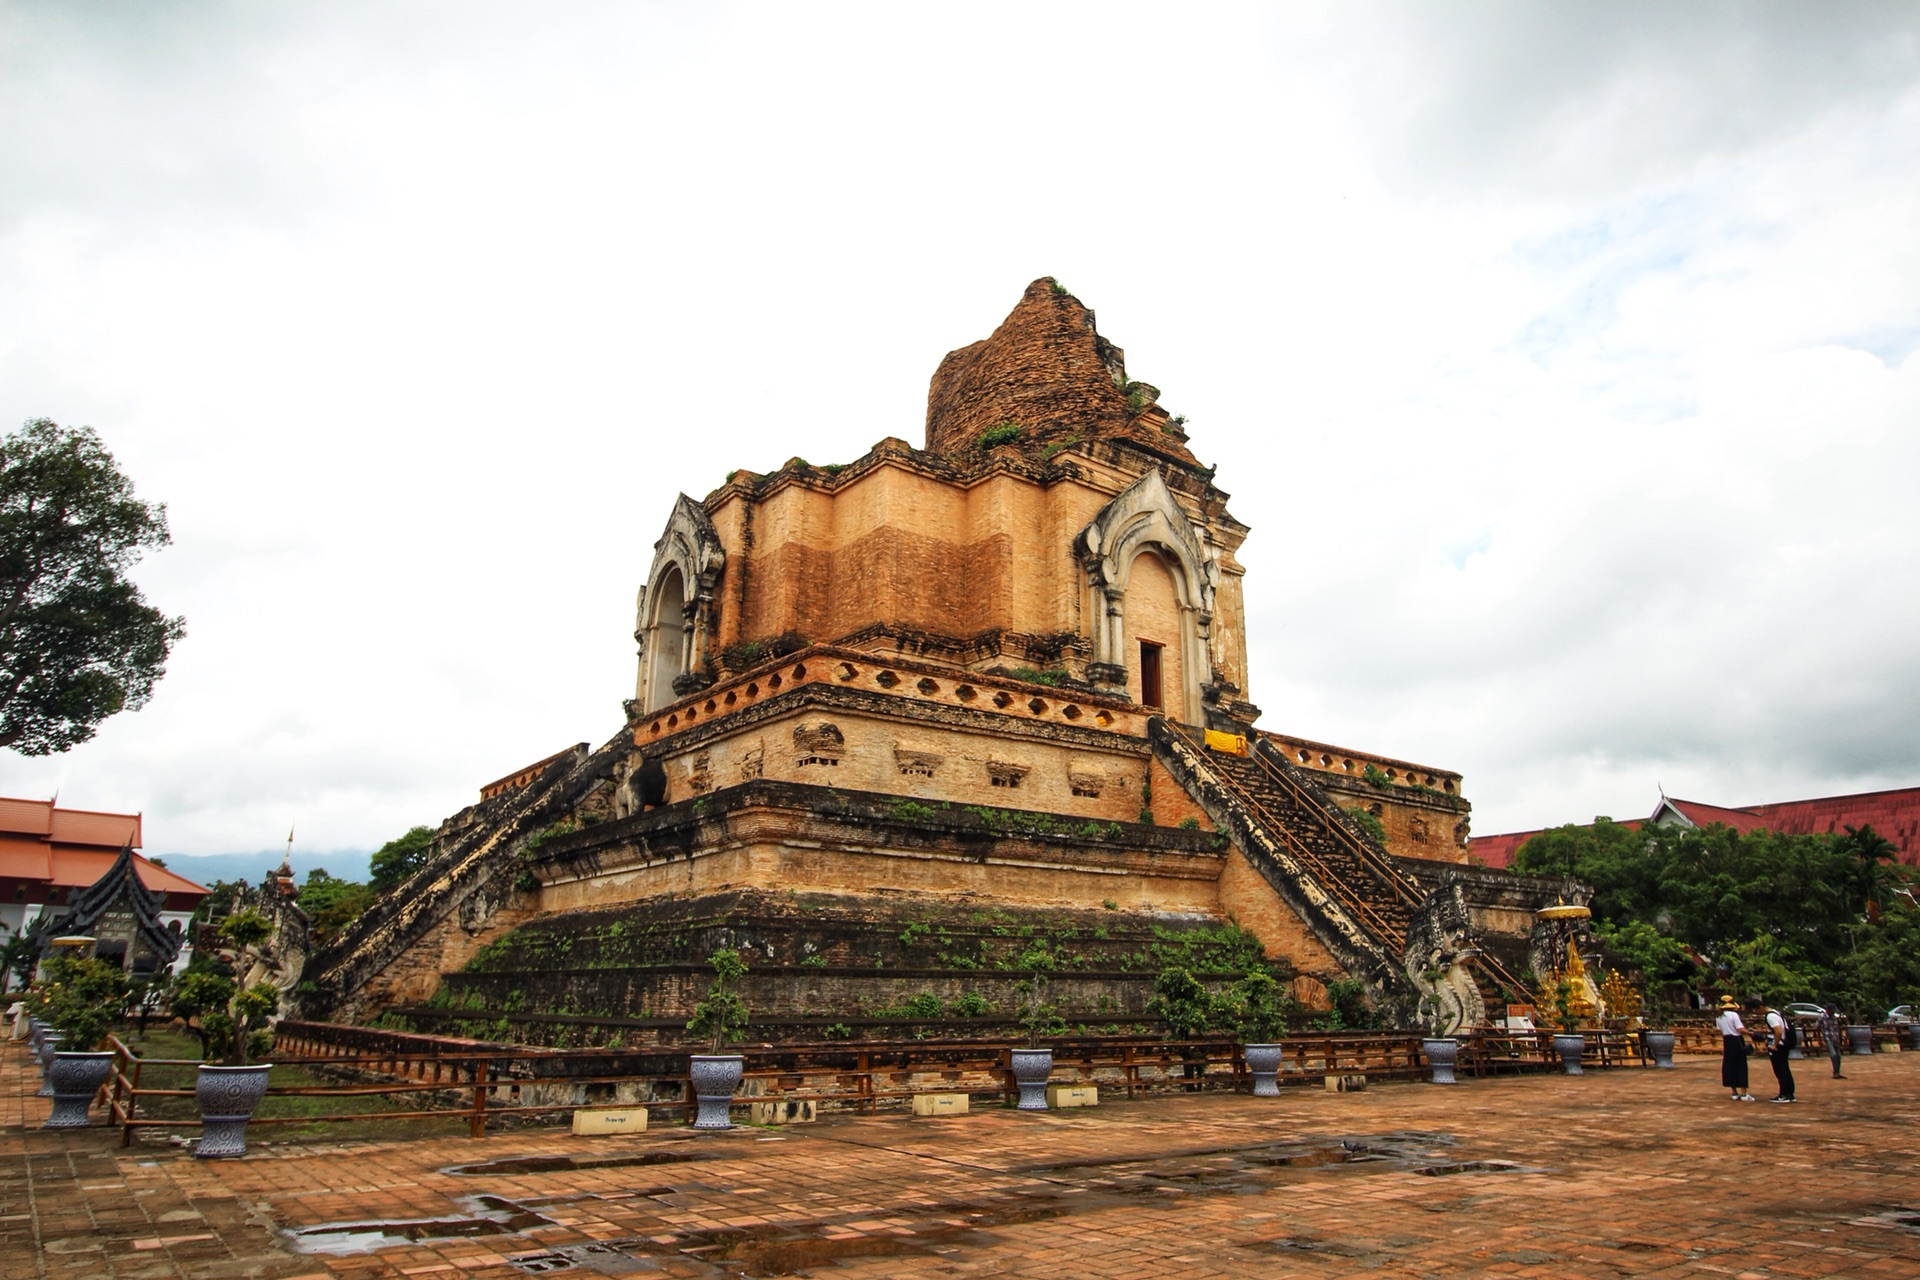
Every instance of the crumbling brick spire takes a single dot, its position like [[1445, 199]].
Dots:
[[1047, 370]]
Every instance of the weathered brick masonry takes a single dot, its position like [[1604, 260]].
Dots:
[[929, 676]]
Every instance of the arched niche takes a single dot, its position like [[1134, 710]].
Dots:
[[1144, 520], [677, 609]]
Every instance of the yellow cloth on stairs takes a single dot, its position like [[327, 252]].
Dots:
[[1233, 744]]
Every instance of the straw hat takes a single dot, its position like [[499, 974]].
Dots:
[[1728, 1002]]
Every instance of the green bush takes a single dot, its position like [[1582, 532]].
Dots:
[[721, 1017], [1006, 433], [79, 998]]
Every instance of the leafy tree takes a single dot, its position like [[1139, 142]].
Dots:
[[721, 1016], [79, 998], [1869, 850], [1257, 1007], [78, 642], [1766, 967], [1183, 1001], [1637, 947], [331, 905], [232, 1018], [1779, 916], [16, 961], [1038, 1018], [399, 858]]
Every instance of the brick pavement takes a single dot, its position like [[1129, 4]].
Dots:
[[1624, 1173]]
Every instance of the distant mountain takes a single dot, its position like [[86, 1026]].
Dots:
[[205, 868]]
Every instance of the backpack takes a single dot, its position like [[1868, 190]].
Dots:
[[1789, 1035]]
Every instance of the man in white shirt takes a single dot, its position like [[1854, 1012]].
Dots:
[[1778, 1051]]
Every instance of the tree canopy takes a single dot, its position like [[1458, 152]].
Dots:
[[1782, 917], [399, 858], [78, 642], [331, 905]]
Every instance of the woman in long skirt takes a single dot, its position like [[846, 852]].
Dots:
[[1733, 1053]]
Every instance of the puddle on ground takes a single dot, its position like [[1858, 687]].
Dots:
[[570, 1164], [1474, 1166], [755, 1253], [487, 1216]]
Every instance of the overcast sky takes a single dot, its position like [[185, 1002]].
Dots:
[[1561, 358]]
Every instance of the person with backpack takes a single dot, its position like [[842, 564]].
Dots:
[[1782, 1036]]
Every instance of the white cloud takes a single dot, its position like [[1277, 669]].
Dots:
[[1561, 358]]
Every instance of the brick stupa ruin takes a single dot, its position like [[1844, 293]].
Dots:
[[903, 710]]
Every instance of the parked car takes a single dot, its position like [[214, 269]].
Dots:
[[1900, 1013], [1802, 1009]]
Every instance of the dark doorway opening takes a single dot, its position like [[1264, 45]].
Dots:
[[1150, 693]]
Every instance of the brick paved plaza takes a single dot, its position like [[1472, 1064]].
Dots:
[[1625, 1173]]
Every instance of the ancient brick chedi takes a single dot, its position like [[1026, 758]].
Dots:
[[975, 677]]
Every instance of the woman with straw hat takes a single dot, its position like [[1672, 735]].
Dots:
[[1733, 1055]]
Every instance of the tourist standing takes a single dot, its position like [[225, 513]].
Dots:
[[1733, 1049], [1830, 1033], [1779, 1046]]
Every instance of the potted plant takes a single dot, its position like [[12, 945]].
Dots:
[[1567, 1042], [78, 1001], [233, 1028], [1033, 1065], [1189, 1011], [1441, 1049], [721, 1016], [1658, 1033], [1258, 1009], [1859, 1029]]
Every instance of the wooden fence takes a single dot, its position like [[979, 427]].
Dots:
[[479, 1082]]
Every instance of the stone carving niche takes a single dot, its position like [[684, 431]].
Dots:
[[1145, 517], [677, 611], [818, 745]]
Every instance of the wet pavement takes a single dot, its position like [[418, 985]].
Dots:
[[1623, 1173]]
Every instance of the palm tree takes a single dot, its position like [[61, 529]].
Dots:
[[1870, 849]]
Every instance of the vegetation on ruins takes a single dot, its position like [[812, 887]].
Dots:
[[1370, 823], [231, 1018], [1781, 917], [1038, 961], [1255, 1008], [1006, 433], [721, 1016], [78, 641], [1349, 1008], [1052, 677]]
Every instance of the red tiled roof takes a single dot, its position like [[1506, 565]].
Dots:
[[81, 867], [1498, 851], [1894, 814], [1705, 815], [25, 858], [104, 830], [26, 817], [72, 848]]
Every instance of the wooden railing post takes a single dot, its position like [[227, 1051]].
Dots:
[[477, 1123]]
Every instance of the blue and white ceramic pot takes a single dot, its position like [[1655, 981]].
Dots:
[[716, 1077], [227, 1098]]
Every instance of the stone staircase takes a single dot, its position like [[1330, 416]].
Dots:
[[461, 894], [1339, 880]]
